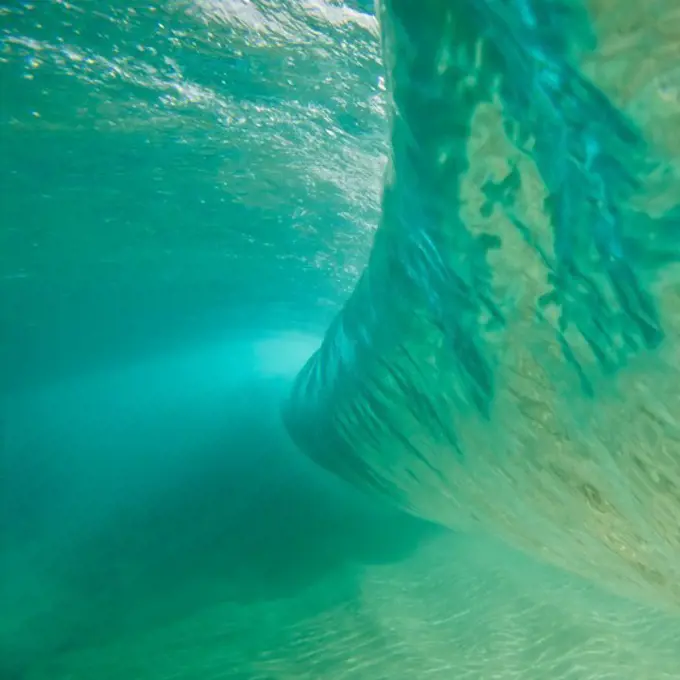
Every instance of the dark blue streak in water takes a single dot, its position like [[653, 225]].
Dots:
[[589, 157]]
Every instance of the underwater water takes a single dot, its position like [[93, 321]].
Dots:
[[335, 346]]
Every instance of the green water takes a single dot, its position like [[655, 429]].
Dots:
[[189, 192]]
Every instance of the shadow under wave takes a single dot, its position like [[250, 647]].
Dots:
[[137, 498]]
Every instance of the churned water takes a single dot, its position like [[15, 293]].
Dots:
[[339, 344]]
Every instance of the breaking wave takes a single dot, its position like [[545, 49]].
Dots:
[[509, 357]]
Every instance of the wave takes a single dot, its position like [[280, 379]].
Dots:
[[509, 357]]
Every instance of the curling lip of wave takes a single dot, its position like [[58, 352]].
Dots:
[[509, 356]]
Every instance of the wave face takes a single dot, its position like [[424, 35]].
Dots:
[[509, 358]]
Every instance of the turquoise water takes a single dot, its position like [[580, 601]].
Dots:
[[508, 360], [191, 191]]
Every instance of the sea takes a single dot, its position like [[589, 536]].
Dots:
[[339, 340]]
